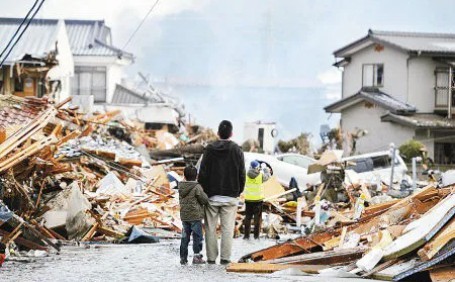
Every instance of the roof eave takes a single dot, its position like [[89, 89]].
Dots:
[[342, 63], [390, 117], [339, 53]]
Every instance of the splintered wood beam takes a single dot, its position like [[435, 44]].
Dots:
[[24, 242], [342, 256], [296, 246], [111, 233], [270, 268], [55, 234], [438, 242], [443, 274], [90, 233]]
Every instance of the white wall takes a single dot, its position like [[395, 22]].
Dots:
[[421, 83], [395, 73], [380, 134], [114, 76], [251, 130], [114, 70], [65, 68]]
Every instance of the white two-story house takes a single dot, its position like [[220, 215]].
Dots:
[[399, 86]]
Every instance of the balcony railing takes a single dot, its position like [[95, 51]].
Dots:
[[441, 98]]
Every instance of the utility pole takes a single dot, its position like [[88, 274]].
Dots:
[[449, 95]]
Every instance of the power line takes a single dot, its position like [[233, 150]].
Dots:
[[141, 23], [22, 33], [19, 27]]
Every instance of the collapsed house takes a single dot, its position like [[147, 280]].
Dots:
[[40, 64]]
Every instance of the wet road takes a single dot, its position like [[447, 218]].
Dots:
[[151, 262]]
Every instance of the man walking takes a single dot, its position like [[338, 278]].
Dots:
[[222, 176]]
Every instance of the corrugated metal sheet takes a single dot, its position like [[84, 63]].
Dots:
[[91, 38], [38, 40], [123, 95], [439, 43], [418, 41], [86, 37]]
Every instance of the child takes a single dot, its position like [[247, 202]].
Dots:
[[192, 200]]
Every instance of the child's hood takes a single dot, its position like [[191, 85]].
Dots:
[[185, 187]]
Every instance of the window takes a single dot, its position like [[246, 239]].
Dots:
[[90, 81], [373, 75], [442, 87], [18, 84]]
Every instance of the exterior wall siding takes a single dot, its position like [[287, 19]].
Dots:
[[421, 83], [395, 71], [114, 70], [380, 134]]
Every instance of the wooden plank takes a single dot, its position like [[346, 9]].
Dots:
[[444, 274], [109, 232], [446, 252], [422, 230], [438, 242], [42, 229], [24, 242], [279, 195], [90, 233], [55, 234], [342, 256], [296, 246], [270, 268]]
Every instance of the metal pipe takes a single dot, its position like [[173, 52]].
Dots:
[[414, 173], [393, 164], [449, 96]]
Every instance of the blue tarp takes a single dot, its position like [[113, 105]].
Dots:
[[5, 213], [137, 236]]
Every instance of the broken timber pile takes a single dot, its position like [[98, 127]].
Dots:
[[64, 176], [408, 239]]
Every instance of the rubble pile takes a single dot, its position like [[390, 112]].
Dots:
[[355, 229], [69, 176]]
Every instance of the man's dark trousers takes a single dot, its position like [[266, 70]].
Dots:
[[253, 210]]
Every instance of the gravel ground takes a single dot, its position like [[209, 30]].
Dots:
[[151, 262]]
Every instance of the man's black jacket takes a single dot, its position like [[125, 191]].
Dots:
[[222, 170]]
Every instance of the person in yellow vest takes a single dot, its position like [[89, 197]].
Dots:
[[254, 197]]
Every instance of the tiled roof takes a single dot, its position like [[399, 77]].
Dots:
[[18, 111], [37, 41], [422, 42], [373, 96], [422, 121]]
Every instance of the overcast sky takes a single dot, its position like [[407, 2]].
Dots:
[[263, 42], [246, 42]]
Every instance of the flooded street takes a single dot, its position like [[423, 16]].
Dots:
[[152, 262]]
